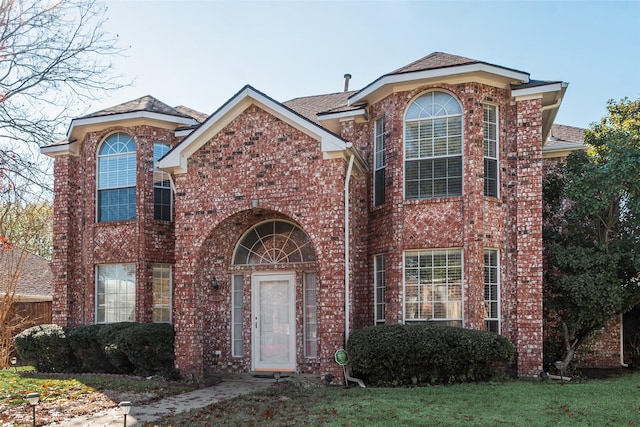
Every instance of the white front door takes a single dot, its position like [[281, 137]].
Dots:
[[274, 325]]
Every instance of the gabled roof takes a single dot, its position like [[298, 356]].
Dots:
[[146, 103], [36, 278], [311, 106], [563, 140], [176, 159], [439, 65]]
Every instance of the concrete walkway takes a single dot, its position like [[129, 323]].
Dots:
[[232, 385]]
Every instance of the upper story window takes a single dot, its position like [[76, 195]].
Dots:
[[161, 185], [117, 178], [433, 147], [490, 128], [379, 162]]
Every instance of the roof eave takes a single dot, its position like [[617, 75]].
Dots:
[[435, 73]]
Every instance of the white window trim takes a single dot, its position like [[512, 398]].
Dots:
[[498, 293], [404, 145], [97, 178], [170, 321], [497, 158], [376, 153], [376, 285], [235, 352], [462, 286], [304, 314]]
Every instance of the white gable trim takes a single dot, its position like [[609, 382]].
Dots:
[[128, 116], [437, 73], [537, 91], [177, 158]]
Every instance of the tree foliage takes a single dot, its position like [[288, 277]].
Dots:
[[592, 227]]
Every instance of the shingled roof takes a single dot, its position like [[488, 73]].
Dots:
[[310, 106], [563, 134], [146, 103], [36, 278]]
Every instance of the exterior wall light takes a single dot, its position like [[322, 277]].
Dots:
[[255, 203], [33, 401], [214, 284], [125, 407]]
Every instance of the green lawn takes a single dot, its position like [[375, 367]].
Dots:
[[606, 402], [603, 402]]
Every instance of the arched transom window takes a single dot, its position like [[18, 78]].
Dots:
[[433, 147], [117, 178], [274, 242]]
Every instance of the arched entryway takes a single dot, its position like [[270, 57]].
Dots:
[[278, 255]]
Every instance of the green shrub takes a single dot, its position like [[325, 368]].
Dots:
[[426, 352], [88, 350], [108, 336], [149, 348], [46, 348]]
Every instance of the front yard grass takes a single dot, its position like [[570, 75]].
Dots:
[[602, 402]]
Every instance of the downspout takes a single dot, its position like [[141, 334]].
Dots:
[[624, 365], [346, 249]]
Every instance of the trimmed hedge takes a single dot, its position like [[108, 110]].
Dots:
[[127, 348], [46, 348], [427, 352]]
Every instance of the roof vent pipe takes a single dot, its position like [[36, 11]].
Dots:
[[346, 81]]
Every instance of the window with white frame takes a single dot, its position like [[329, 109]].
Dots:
[[491, 291], [433, 286], [237, 313], [115, 293], [433, 147], [310, 315], [379, 287], [490, 127], [379, 163], [162, 293], [161, 185], [117, 178]]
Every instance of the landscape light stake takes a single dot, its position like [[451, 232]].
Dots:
[[14, 362], [33, 401], [125, 407]]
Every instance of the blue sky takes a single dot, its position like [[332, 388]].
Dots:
[[199, 53]]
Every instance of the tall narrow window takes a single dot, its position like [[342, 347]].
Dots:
[[379, 287], [162, 293], [310, 315], [433, 286], [490, 126], [115, 293], [237, 313], [491, 294], [117, 178], [161, 185], [379, 162], [433, 147]]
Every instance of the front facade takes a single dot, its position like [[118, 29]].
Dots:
[[267, 232]]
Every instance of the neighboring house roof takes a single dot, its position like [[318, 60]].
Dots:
[[194, 114], [36, 278]]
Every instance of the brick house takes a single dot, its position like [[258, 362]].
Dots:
[[269, 231]]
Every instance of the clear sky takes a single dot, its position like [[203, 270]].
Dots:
[[200, 53]]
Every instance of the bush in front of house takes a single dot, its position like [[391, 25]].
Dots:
[[149, 348], [46, 347], [108, 336], [88, 349], [127, 348], [427, 353]]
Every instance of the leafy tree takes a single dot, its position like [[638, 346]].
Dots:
[[592, 228], [54, 60]]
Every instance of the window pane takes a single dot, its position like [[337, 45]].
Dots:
[[310, 315], [117, 178], [491, 291], [237, 314], [162, 293], [115, 293]]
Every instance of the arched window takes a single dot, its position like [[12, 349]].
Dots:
[[274, 242], [117, 178], [433, 147]]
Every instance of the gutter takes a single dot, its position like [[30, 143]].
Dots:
[[346, 249]]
